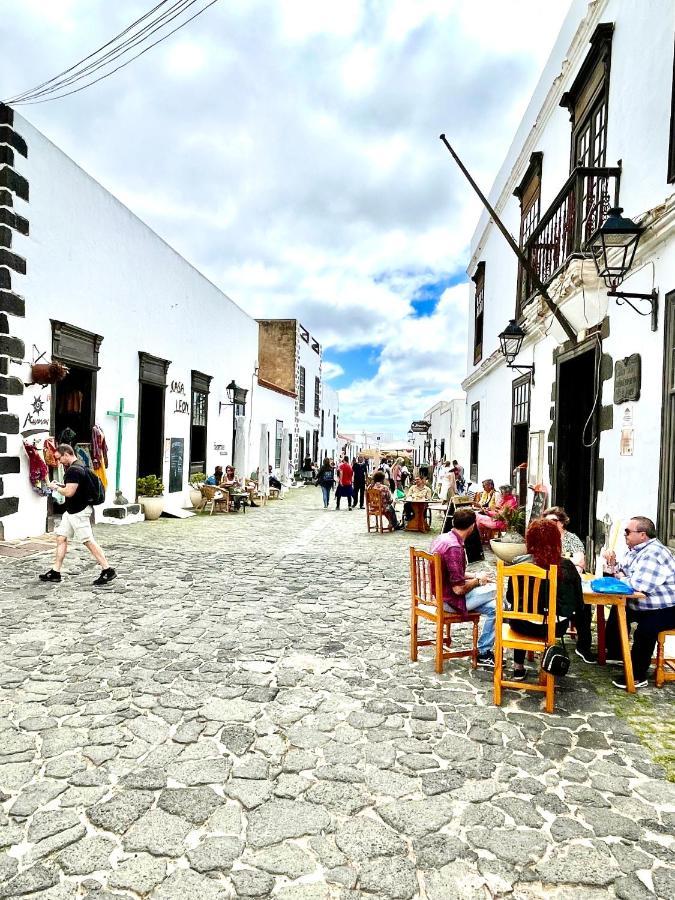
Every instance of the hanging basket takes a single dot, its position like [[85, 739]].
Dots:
[[48, 373]]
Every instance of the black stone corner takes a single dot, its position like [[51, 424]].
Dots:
[[6, 115], [8, 506]]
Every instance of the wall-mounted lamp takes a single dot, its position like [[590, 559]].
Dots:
[[613, 246], [510, 343], [237, 397]]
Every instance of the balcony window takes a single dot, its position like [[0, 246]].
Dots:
[[475, 434], [671, 150], [301, 390], [478, 309], [529, 194], [317, 396]]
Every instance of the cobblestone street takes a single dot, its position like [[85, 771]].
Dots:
[[236, 716]]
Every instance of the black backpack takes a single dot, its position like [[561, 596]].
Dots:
[[95, 490]]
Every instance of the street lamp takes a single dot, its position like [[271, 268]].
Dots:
[[613, 246], [237, 397], [510, 343]]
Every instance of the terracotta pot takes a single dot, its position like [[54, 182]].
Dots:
[[195, 497], [152, 507], [507, 551], [48, 373]]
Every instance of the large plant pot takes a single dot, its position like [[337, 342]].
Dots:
[[507, 551], [152, 507], [195, 497]]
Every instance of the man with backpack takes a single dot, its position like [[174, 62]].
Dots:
[[82, 490]]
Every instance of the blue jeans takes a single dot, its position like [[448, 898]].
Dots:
[[482, 600], [325, 490]]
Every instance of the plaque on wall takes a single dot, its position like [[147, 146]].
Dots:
[[627, 378], [176, 464]]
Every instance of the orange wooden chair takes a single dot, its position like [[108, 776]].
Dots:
[[665, 665], [527, 580], [375, 510], [426, 593]]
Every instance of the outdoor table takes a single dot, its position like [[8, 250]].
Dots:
[[418, 521], [240, 498], [600, 601]]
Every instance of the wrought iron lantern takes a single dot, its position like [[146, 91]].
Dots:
[[411, 436], [510, 344], [235, 394]]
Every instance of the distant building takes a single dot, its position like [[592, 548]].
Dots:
[[330, 422], [446, 434]]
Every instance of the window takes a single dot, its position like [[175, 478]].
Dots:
[[586, 101], [290, 448], [529, 194], [475, 430], [315, 445], [278, 438], [520, 420], [334, 427], [199, 421], [301, 391], [479, 302], [671, 150], [322, 421], [307, 443], [317, 396]]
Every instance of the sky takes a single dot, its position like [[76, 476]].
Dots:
[[289, 150]]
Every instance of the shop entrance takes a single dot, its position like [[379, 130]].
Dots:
[[152, 388], [576, 444], [74, 406]]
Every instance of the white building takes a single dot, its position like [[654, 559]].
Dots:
[[445, 437], [88, 284], [594, 421], [330, 422]]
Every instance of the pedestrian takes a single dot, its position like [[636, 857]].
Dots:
[[396, 474], [648, 567], [405, 475], [459, 476], [360, 468], [447, 485], [326, 480], [76, 520], [344, 488]]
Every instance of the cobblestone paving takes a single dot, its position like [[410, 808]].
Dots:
[[236, 716]]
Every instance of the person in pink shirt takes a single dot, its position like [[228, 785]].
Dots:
[[344, 488]]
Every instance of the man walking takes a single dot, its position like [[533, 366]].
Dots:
[[344, 488], [75, 522], [462, 594], [360, 467], [649, 568]]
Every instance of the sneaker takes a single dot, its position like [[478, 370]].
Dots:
[[105, 576], [621, 683], [486, 660], [614, 662], [519, 674], [52, 575], [588, 656]]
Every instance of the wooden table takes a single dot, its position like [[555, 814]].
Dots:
[[600, 601], [418, 521]]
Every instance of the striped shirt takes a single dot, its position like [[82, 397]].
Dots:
[[650, 569]]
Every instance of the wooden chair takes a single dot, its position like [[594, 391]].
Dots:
[[527, 580], [426, 594], [665, 665], [213, 497], [375, 510]]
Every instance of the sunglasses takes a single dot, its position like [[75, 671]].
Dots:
[[631, 531]]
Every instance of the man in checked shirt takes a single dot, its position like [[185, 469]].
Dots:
[[648, 567]]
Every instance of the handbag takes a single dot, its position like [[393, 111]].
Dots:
[[556, 660]]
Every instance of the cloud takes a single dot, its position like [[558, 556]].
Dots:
[[331, 370], [290, 151]]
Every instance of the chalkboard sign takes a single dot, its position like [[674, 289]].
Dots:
[[538, 505], [627, 379], [176, 464]]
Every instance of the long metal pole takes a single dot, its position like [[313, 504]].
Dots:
[[524, 261]]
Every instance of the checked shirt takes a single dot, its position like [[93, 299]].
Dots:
[[650, 569]]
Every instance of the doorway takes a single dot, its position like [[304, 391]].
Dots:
[[576, 444], [199, 422], [151, 395], [666, 516], [520, 420], [74, 405]]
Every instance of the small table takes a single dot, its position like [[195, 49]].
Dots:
[[600, 601], [418, 521]]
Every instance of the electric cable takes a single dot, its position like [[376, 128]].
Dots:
[[43, 93]]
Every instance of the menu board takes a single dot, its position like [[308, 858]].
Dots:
[[176, 454], [538, 505]]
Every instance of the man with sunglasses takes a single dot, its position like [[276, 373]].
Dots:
[[649, 568]]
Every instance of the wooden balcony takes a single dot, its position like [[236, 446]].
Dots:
[[568, 223]]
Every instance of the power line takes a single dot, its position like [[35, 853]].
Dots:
[[33, 96]]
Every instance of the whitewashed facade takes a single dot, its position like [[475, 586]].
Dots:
[[330, 422], [91, 285], [598, 132], [308, 404]]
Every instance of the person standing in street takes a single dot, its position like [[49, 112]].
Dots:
[[344, 488], [360, 468], [76, 520], [326, 480]]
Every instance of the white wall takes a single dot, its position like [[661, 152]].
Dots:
[[330, 406], [270, 406], [93, 264], [307, 421]]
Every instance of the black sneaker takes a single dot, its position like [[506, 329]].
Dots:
[[621, 683], [588, 656], [52, 575], [519, 675], [487, 660], [105, 576]]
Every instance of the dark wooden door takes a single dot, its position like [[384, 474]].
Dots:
[[666, 517]]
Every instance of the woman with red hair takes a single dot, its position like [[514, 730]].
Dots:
[[544, 549]]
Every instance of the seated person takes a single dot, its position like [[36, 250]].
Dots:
[[649, 568], [273, 480], [238, 485], [217, 476], [492, 520], [387, 502], [544, 549], [467, 594], [572, 547], [418, 490]]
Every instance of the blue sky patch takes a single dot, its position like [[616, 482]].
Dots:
[[361, 362]]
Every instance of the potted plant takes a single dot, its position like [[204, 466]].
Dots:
[[150, 491], [511, 542], [195, 481]]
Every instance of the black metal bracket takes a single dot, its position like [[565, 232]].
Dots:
[[522, 369], [652, 299]]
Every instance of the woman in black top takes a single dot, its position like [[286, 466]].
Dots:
[[360, 469]]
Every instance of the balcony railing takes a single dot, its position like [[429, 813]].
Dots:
[[568, 223]]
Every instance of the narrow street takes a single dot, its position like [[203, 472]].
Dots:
[[236, 716]]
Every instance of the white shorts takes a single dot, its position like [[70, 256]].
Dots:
[[76, 526]]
